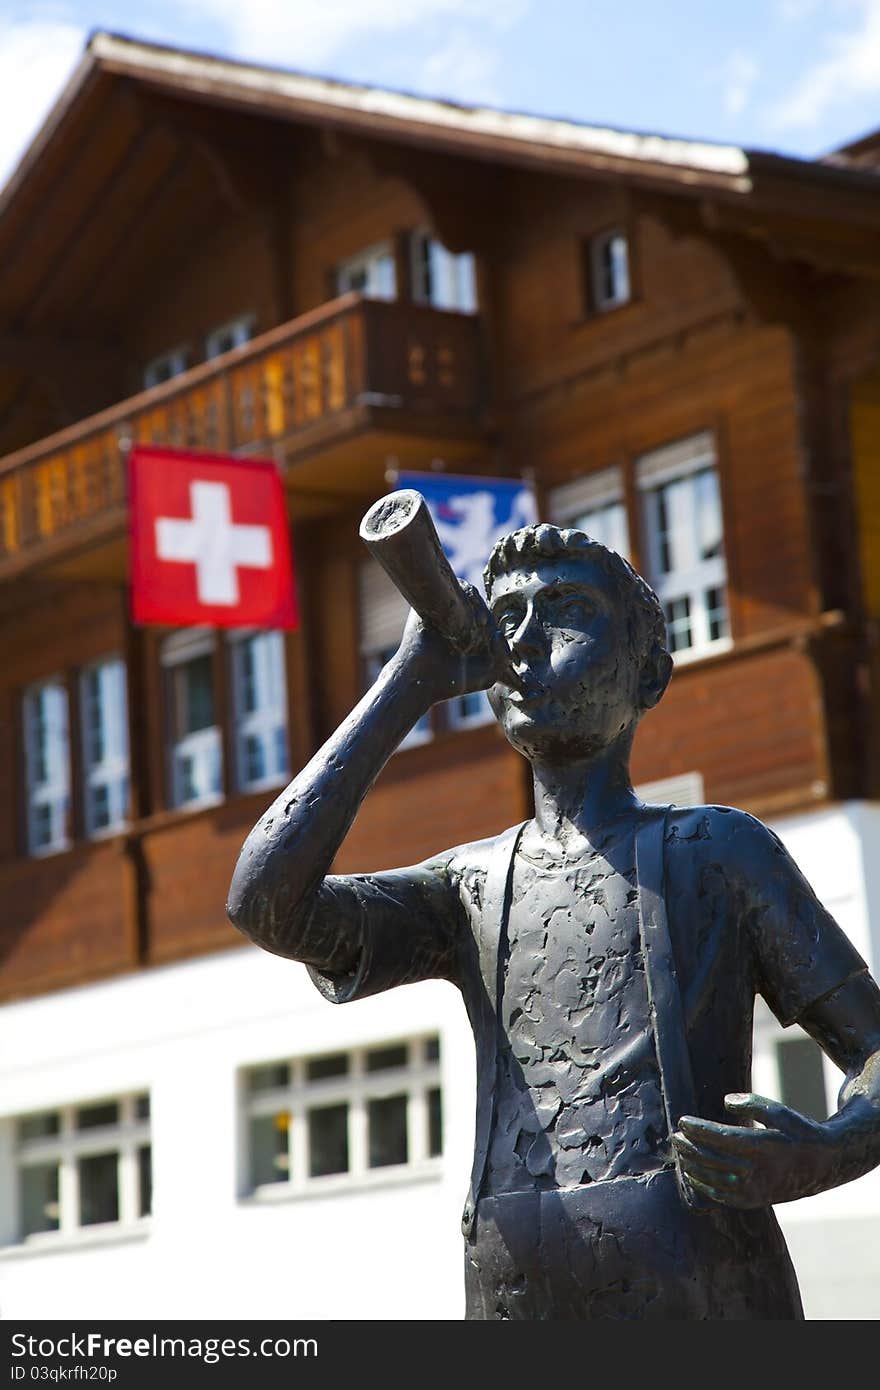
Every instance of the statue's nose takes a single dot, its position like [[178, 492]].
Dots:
[[529, 639]]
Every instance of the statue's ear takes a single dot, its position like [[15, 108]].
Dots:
[[655, 677]]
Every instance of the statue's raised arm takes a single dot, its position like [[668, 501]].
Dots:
[[450, 647]]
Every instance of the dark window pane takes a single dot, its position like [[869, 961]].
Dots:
[[92, 1116], [678, 624], [435, 1122], [716, 606], [142, 1107], [384, 1058], [254, 758], [98, 1189], [38, 1126], [328, 1140], [801, 1078], [268, 1077], [199, 698], [100, 806], [319, 1068], [39, 1198], [432, 1049], [145, 1180], [270, 1149], [386, 1119]]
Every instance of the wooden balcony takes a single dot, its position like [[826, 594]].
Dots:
[[333, 396]]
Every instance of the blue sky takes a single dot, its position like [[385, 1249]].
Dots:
[[795, 75]]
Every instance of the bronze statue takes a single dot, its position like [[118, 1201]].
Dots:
[[608, 953]]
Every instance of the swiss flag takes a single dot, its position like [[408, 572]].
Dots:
[[209, 541]]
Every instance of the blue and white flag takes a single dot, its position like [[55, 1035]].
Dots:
[[471, 514]]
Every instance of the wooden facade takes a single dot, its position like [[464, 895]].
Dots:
[[154, 209]]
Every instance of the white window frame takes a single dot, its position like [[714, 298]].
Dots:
[[204, 746], [382, 614], [167, 365], [605, 263], [111, 770], [356, 1089], [240, 329], [52, 790], [573, 504], [670, 464], [269, 719], [445, 279], [66, 1148], [367, 261]]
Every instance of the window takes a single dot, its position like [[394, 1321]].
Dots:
[[609, 270], [260, 709], [802, 1076], [83, 1166], [684, 542], [371, 272], [344, 1116], [383, 614], [229, 335], [104, 719], [442, 278], [684, 790], [594, 504], [47, 766], [163, 368], [467, 711], [195, 752]]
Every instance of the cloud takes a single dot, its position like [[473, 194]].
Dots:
[[308, 32], [738, 79], [462, 68], [36, 58], [850, 69]]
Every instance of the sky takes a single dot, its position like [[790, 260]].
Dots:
[[800, 76]]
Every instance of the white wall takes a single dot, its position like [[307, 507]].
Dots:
[[182, 1032]]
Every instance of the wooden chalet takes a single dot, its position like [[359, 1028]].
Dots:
[[677, 343], [352, 281]]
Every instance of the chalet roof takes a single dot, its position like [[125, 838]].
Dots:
[[379, 111], [478, 130], [85, 156]]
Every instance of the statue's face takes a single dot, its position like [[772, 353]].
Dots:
[[567, 629]]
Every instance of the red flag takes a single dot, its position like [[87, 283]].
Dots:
[[209, 541]]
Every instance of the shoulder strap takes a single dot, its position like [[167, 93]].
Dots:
[[664, 996], [495, 907]]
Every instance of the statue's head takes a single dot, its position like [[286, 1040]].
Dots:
[[588, 638]]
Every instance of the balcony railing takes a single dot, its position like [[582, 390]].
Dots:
[[325, 374]]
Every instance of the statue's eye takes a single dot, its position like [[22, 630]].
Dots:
[[573, 608]]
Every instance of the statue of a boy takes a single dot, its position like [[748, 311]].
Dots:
[[608, 953]]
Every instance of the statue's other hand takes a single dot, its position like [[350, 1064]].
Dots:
[[791, 1156]]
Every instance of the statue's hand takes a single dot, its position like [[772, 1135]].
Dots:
[[791, 1157], [444, 670]]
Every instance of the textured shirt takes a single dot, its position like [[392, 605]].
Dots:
[[578, 1093]]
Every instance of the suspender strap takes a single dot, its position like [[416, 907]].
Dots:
[[493, 933], [664, 996]]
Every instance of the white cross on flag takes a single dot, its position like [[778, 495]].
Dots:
[[209, 541]]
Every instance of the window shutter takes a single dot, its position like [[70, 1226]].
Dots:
[[673, 460], [383, 610], [686, 790], [585, 494]]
